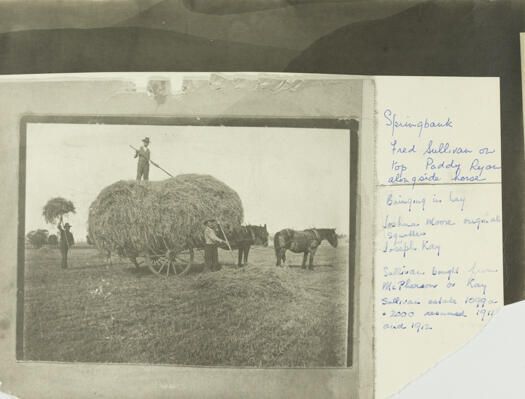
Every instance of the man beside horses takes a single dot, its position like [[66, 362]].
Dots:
[[211, 242]]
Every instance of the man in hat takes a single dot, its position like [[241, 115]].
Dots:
[[211, 253], [66, 241], [143, 165]]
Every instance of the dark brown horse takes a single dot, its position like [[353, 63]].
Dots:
[[243, 237], [305, 241]]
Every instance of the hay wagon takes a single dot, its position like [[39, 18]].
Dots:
[[161, 224]]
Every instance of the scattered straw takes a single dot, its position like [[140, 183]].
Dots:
[[252, 282]]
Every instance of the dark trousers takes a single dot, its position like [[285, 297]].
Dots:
[[211, 256], [143, 171], [64, 251]]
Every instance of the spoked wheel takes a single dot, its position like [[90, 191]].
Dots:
[[160, 266], [183, 262], [171, 263]]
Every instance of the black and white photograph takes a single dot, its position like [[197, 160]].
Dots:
[[187, 241], [196, 197]]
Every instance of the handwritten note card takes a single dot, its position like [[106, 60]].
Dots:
[[438, 248]]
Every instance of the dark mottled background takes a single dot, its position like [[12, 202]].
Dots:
[[471, 38]]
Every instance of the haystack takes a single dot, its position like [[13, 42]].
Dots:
[[132, 218]]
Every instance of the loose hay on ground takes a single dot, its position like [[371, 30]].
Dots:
[[243, 283], [260, 316]]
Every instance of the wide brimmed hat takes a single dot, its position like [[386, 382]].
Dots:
[[67, 225], [208, 220], [146, 140]]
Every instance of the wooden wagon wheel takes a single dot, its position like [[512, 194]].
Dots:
[[183, 261], [171, 263], [160, 265]]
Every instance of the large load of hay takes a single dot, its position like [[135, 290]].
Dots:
[[55, 208], [132, 218]]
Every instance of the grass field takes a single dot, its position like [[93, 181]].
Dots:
[[259, 316]]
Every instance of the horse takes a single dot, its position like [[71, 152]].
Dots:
[[305, 241], [242, 238]]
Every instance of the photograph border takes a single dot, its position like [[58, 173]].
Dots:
[[350, 124]]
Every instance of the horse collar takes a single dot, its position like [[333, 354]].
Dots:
[[317, 236]]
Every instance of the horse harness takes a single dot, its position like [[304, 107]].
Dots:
[[317, 236], [252, 234], [302, 240], [246, 230]]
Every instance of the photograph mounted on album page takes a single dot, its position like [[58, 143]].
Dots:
[[185, 233], [243, 233]]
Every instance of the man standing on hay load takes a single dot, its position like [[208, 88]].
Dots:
[[144, 156], [211, 241], [66, 241]]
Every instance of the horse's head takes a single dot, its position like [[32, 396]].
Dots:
[[332, 237], [260, 235]]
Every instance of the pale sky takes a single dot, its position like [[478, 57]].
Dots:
[[286, 177]]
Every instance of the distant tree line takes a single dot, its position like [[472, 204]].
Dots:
[[39, 238]]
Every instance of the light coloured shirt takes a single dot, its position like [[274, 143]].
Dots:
[[144, 154], [210, 237]]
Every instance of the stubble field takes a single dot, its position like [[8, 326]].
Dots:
[[258, 316]]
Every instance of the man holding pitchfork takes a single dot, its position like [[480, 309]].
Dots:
[[143, 154], [66, 241], [211, 253]]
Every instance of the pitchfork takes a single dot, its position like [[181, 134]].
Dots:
[[227, 242]]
